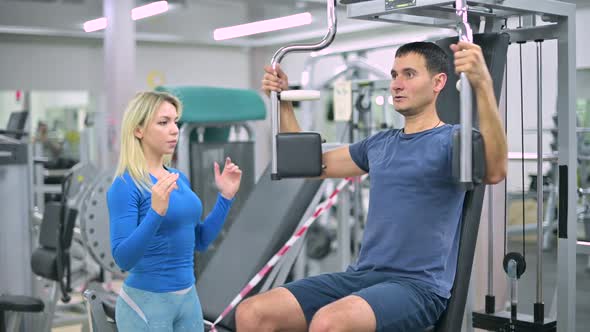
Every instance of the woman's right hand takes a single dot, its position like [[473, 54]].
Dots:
[[161, 192], [274, 81]]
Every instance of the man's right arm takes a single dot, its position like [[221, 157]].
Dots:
[[338, 162], [289, 122]]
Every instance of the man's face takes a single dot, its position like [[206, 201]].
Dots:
[[412, 86]]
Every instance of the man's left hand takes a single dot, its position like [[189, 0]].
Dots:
[[469, 60]]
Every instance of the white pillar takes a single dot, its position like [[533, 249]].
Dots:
[[119, 72]]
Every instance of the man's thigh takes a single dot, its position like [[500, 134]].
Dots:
[[400, 305], [315, 292]]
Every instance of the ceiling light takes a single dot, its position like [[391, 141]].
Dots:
[[95, 25], [148, 10], [262, 26]]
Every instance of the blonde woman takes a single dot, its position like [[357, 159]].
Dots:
[[155, 222]]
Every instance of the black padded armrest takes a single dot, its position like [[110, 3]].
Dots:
[[299, 155]]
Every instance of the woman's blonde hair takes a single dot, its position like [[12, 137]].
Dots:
[[139, 113]]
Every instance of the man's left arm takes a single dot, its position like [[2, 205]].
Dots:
[[469, 60]]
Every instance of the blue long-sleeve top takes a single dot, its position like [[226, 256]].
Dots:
[[158, 251]]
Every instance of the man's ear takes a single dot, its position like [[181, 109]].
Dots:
[[138, 132], [440, 80]]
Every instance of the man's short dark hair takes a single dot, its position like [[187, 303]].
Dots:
[[436, 58]]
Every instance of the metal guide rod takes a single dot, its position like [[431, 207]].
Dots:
[[465, 34], [490, 240], [276, 59], [513, 276], [539, 174]]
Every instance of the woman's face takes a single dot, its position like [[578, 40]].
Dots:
[[160, 135]]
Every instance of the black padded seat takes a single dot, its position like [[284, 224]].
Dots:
[[20, 303]]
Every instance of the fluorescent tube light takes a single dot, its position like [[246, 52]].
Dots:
[[148, 10], [95, 25], [274, 24]]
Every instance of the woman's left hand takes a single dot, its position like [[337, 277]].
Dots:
[[228, 181]]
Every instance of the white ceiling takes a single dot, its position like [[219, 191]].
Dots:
[[188, 21]]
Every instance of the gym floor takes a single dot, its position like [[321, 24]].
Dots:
[[526, 287]]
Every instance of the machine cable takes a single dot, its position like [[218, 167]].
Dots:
[[539, 311], [522, 147]]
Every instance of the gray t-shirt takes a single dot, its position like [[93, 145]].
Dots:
[[415, 206]]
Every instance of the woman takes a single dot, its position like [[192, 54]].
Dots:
[[154, 220]]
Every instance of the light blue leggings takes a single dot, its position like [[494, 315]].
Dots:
[[139, 310]]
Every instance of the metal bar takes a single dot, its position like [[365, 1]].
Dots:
[[567, 138], [415, 20], [275, 124], [370, 10], [276, 59], [482, 11], [545, 32], [442, 13], [343, 234], [531, 156], [465, 34], [512, 276], [466, 128], [550, 7], [539, 174], [490, 239]]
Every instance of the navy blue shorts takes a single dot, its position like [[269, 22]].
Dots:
[[399, 304]]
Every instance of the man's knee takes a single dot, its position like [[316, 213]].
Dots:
[[351, 313], [249, 314], [325, 321]]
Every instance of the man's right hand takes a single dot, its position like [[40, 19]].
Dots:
[[161, 192], [274, 80]]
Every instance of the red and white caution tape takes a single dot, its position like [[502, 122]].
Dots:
[[321, 208]]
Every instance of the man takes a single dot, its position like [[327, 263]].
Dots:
[[406, 267], [51, 148]]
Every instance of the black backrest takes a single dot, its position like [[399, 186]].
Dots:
[[452, 318], [494, 47], [46, 260], [48, 236], [50, 226]]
